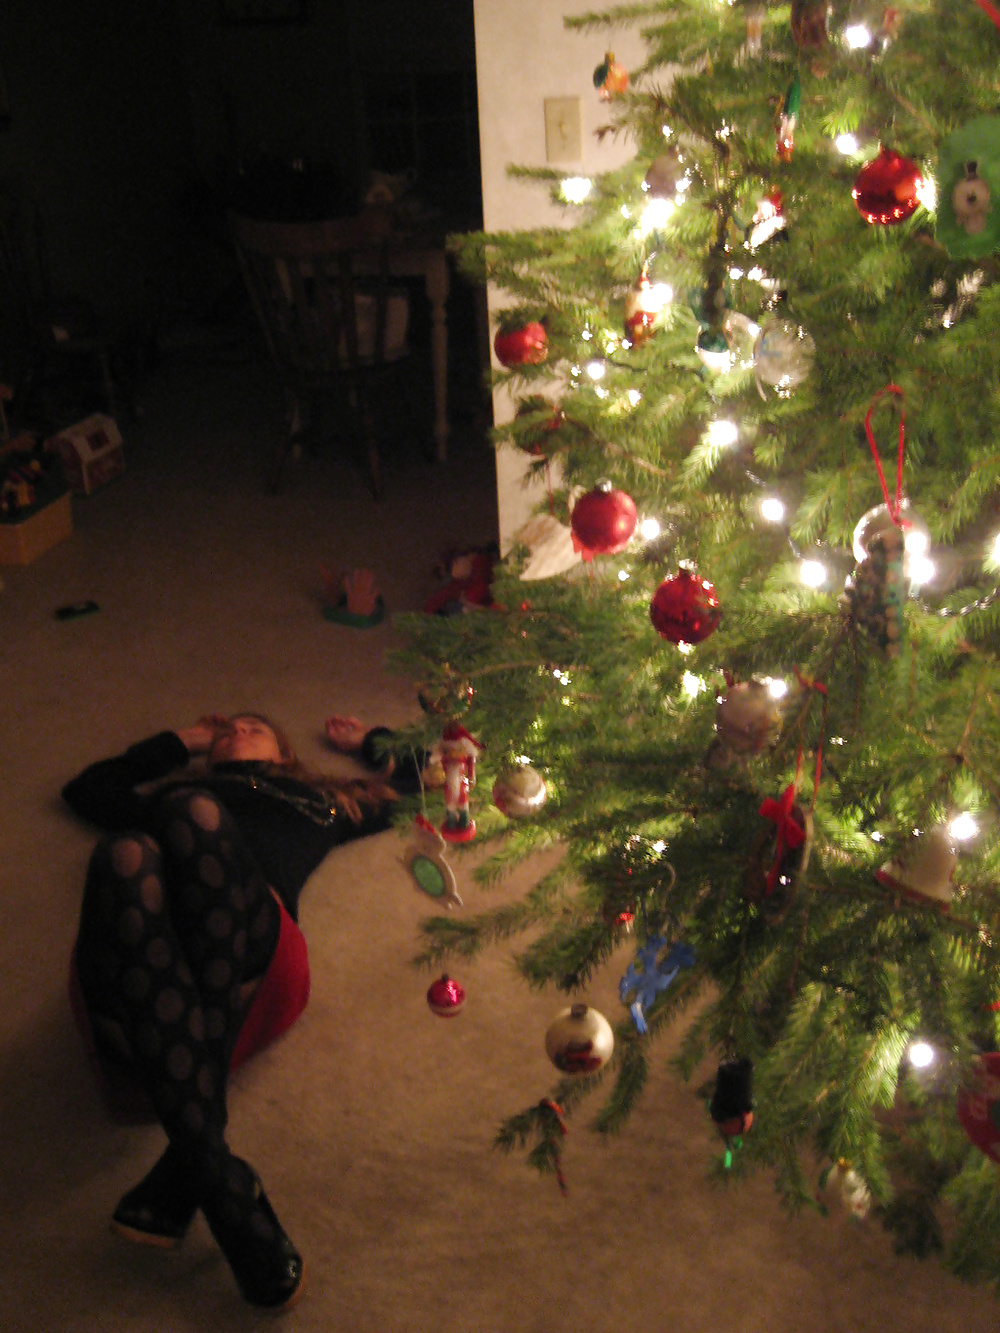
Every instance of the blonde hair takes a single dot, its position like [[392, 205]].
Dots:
[[348, 795]]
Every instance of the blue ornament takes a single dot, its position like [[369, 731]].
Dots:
[[654, 977]]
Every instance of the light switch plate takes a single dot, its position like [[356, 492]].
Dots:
[[563, 132]]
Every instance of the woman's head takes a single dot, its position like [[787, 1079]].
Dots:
[[250, 736]]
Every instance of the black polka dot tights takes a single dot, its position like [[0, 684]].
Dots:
[[172, 928]]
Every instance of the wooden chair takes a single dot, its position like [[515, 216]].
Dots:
[[331, 321]]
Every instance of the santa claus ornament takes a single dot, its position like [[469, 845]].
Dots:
[[579, 1040], [685, 608], [967, 221], [603, 521], [886, 190], [459, 751]]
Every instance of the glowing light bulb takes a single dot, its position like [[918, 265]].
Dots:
[[722, 433], [576, 188], [996, 548], [846, 144], [772, 509], [634, 397], [596, 370], [921, 1054], [691, 684], [776, 687], [921, 570], [963, 827], [812, 573], [857, 37], [926, 192], [623, 576], [916, 541], [649, 529], [626, 212], [655, 213], [659, 847]]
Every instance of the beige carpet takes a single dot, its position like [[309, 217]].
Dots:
[[372, 1122]]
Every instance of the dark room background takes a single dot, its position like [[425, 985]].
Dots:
[[128, 126]]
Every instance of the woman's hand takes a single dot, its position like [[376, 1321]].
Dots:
[[198, 738]]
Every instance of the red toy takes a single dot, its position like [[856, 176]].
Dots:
[[470, 574]]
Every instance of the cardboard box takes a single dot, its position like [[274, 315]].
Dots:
[[91, 451], [27, 538]]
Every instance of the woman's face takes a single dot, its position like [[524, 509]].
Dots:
[[244, 738]]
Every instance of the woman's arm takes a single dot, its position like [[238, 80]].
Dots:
[[105, 793]]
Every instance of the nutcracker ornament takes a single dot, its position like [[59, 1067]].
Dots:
[[459, 751], [923, 870], [731, 1106], [967, 221], [685, 608], [610, 78], [579, 1040], [603, 521], [887, 189], [644, 307]]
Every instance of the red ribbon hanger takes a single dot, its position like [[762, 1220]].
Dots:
[[990, 11], [790, 833], [891, 504]]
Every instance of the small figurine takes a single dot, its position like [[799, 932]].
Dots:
[[459, 750], [425, 860]]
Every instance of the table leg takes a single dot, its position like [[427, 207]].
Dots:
[[437, 294]]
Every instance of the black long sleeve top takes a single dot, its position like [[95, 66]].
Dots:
[[288, 825]]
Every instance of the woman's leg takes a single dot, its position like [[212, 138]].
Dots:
[[170, 931]]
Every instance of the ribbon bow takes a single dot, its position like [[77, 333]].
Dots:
[[790, 832]]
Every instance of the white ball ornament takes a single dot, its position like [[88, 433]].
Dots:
[[782, 356], [579, 1040], [519, 792]]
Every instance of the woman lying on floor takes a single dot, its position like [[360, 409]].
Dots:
[[188, 957]]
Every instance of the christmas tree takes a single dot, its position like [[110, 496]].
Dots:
[[759, 373]]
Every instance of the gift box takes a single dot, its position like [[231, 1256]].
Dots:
[[91, 451], [24, 539]]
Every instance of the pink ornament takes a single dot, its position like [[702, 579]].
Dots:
[[445, 997]]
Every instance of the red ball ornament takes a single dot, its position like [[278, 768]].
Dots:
[[685, 608], [445, 997], [979, 1105], [527, 345], [603, 521], [885, 190]]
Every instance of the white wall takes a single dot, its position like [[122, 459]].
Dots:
[[524, 55]]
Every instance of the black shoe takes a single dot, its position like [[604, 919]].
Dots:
[[160, 1209], [266, 1265]]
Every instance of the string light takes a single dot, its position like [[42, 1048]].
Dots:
[[776, 687], [721, 434], [626, 212], [692, 685], [857, 37], [921, 570], [846, 144], [649, 529], [772, 509], [921, 1054], [575, 189], [812, 573], [623, 576], [656, 213], [596, 370], [963, 827], [926, 192], [634, 397]]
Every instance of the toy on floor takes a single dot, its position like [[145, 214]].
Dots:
[[353, 599], [469, 574]]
